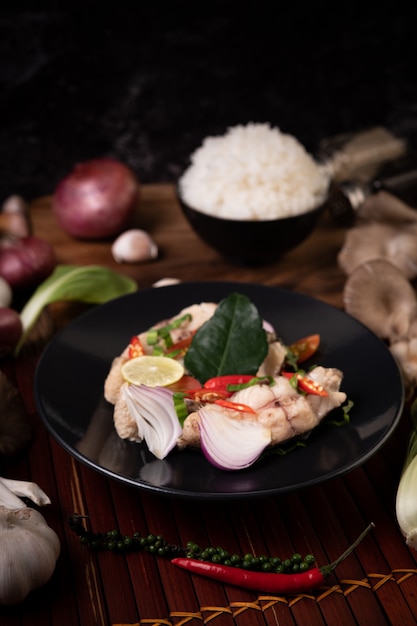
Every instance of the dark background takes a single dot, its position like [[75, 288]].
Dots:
[[145, 82]]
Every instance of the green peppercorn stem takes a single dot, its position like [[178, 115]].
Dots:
[[114, 541]]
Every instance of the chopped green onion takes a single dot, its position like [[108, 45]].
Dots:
[[151, 337], [178, 321], [165, 335], [180, 406], [345, 419], [164, 332], [254, 381]]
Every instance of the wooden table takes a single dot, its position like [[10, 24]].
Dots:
[[376, 586]]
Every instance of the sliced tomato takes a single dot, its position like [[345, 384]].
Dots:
[[306, 384], [304, 348], [180, 347], [235, 406], [135, 348], [185, 384]]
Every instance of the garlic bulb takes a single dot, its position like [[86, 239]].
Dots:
[[29, 548], [134, 246]]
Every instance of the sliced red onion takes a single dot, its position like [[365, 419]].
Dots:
[[230, 444], [154, 412]]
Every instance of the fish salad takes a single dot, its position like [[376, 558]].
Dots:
[[218, 377]]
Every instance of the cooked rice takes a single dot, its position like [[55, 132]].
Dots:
[[253, 172]]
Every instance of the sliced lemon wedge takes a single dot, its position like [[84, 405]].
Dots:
[[153, 371]]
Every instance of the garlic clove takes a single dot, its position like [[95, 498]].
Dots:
[[134, 246], [165, 282], [14, 217]]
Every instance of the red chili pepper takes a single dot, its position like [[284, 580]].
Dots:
[[207, 395], [257, 581], [306, 384], [135, 348], [236, 406], [223, 382], [304, 348], [223, 387], [263, 581]]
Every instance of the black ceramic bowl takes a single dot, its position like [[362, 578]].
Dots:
[[248, 241]]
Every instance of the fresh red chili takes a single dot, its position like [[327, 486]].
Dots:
[[201, 394], [236, 406], [257, 581], [223, 382], [135, 347], [265, 581], [223, 387], [306, 384]]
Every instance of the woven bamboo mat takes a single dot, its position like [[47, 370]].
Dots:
[[375, 586]]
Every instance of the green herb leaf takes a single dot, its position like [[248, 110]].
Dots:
[[232, 341], [93, 284]]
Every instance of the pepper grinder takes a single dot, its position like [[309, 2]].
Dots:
[[346, 198], [359, 156]]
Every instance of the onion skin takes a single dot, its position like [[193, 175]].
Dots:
[[11, 329], [26, 262], [96, 199]]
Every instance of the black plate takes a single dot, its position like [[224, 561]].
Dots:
[[70, 377]]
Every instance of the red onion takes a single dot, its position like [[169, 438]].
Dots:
[[26, 262], [11, 329], [153, 410], [96, 200], [228, 443]]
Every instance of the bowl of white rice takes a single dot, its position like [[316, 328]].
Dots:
[[253, 193]]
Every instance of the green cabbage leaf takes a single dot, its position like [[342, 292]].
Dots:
[[92, 284]]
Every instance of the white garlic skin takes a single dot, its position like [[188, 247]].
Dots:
[[134, 246], [29, 551]]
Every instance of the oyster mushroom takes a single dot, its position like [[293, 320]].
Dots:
[[379, 295], [386, 229], [384, 207], [405, 353]]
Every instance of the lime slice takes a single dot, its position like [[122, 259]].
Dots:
[[153, 371]]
